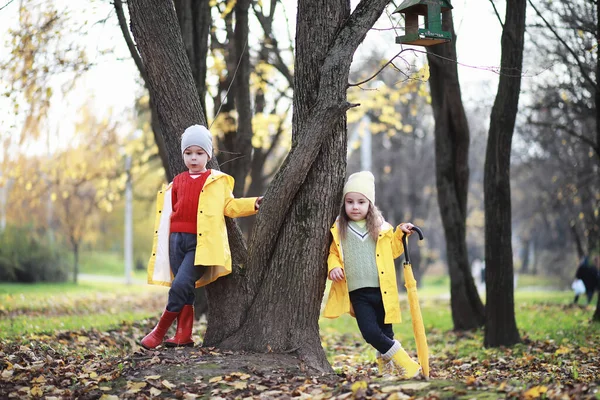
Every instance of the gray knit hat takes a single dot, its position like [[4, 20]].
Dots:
[[197, 135]]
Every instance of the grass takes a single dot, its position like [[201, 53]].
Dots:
[[105, 263], [44, 308]]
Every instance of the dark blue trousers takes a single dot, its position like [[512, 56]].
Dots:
[[182, 250], [370, 316]]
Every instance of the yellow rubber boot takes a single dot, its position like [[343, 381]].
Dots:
[[405, 366]]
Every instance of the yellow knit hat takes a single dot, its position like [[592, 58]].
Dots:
[[362, 182]]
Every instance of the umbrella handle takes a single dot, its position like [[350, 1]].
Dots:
[[405, 243]]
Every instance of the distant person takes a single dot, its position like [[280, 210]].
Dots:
[[190, 246], [361, 266], [588, 273]]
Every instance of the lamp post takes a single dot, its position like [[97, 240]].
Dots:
[[128, 245], [128, 222]]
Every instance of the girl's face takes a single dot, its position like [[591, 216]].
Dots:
[[356, 206], [195, 159]]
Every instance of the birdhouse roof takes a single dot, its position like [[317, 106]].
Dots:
[[420, 6]]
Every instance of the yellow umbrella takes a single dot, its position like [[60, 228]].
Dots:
[[415, 309]]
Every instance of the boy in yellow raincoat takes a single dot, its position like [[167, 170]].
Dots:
[[191, 248], [361, 266]]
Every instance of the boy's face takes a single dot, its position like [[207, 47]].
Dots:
[[356, 206], [195, 159]]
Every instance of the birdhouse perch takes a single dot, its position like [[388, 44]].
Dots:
[[432, 11]]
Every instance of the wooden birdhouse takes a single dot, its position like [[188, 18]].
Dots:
[[432, 32]]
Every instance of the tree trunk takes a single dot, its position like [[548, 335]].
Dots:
[[286, 270], [501, 327], [158, 137], [243, 139], [195, 22], [452, 178]]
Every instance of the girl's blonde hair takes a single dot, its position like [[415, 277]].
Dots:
[[374, 220]]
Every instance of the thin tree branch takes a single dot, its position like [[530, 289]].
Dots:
[[6, 5], [497, 14], [128, 39], [379, 71], [569, 131], [569, 49]]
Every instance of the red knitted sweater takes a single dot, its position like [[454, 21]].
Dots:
[[185, 195]]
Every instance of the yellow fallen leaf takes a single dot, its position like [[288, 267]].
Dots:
[[83, 339], [109, 397], [356, 386], [37, 391], [190, 396], [563, 350], [535, 392], [239, 385], [167, 384], [39, 379], [398, 396], [152, 377], [154, 392], [215, 379], [134, 387]]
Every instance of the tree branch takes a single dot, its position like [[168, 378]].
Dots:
[[379, 71], [569, 49], [569, 131], [497, 14], [128, 39]]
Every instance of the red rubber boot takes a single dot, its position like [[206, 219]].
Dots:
[[154, 338], [185, 323]]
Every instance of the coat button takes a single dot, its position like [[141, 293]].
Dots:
[[381, 272], [200, 211], [159, 211], [377, 255], [384, 292], [199, 234]]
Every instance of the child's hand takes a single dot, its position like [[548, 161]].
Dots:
[[336, 274], [406, 227], [257, 203]]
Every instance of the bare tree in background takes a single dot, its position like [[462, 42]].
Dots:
[[452, 177], [500, 324]]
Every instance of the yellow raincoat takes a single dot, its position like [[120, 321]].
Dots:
[[212, 248], [389, 246]]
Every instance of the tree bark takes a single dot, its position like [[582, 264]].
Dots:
[[243, 105], [286, 269], [158, 137], [452, 178], [195, 22], [501, 327]]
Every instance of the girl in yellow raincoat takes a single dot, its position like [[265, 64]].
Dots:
[[361, 266], [190, 246]]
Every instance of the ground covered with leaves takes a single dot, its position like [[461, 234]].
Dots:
[[91, 364]]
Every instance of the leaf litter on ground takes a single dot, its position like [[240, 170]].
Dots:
[[92, 364]]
